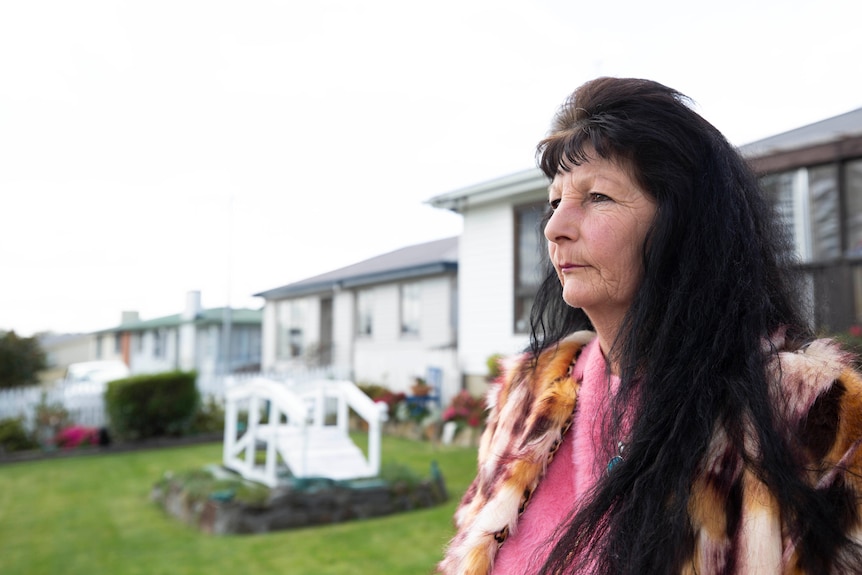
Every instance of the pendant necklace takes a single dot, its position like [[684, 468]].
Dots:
[[618, 458]]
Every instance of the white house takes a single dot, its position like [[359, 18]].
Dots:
[[498, 266], [210, 341], [386, 320], [813, 176]]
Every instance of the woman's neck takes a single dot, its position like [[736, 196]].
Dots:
[[606, 346]]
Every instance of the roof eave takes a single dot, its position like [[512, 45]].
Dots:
[[359, 281], [491, 191]]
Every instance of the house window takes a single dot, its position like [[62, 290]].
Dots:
[[411, 311], [806, 203], [291, 319], [824, 210], [364, 312], [853, 183], [529, 248], [158, 343], [118, 342]]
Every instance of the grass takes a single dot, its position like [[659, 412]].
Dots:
[[91, 515]]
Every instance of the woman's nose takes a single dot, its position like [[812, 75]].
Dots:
[[561, 225]]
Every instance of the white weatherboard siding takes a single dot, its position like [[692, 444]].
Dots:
[[268, 329], [206, 342], [343, 327], [310, 332], [486, 286], [438, 320], [389, 358]]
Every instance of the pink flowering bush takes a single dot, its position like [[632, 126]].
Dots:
[[76, 436], [392, 400], [465, 409]]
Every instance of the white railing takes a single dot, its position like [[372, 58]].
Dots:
[[298, 431]]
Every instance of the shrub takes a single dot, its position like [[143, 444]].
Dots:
[[382, 394], [465, 409], [77, 436], [13, 436], [157, 405], [373, 390], [493, 364], [209, 417], [50, 418]]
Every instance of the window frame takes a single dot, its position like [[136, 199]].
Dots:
[[410, 309], [364, 306], [790, 193], [523, 291], [290, 324]]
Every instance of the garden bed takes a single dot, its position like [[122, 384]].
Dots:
[[219, 501]]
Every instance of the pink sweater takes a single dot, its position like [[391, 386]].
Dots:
[[575, 470]]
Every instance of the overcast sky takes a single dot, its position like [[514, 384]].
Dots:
[[150, 148]]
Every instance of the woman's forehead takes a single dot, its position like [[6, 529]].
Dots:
[[599, 171]]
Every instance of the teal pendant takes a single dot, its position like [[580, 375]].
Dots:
[[618, 458]]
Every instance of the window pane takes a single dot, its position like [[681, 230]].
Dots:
[[410, 308], [853, 180], [529, 247], [290, 320], [824, 212], [158, 343], [779, 191], [364, 315]]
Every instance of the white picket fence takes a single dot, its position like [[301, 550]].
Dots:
[[85, 400]]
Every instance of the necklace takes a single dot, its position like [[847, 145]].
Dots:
[[618, 458]]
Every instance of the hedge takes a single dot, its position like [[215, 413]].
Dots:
[[14, 437], [156, 405]]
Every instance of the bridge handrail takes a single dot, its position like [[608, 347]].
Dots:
[[304, 406], [287, 402]]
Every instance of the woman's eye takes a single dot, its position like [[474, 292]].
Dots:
[[597, 197], [554, 204]]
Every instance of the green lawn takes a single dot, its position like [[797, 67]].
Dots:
[[91, 515]]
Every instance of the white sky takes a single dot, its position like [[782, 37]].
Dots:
[[149, 148]]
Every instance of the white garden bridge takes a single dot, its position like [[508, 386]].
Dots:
[[301, 428]]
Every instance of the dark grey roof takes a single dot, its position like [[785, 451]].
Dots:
[[414, 261], [838, 127]]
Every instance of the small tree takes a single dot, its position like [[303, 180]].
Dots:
[[21, 359]]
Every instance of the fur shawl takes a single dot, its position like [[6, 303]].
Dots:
[[820, 402]]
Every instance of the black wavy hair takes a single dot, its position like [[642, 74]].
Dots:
[[716, 285]]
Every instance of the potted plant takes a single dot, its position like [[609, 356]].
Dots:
[[420, 388]]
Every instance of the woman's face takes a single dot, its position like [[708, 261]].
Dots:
[[595, 238]]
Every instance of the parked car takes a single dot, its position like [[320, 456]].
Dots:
[[93, 376]]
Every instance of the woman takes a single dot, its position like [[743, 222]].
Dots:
[[672, 414]]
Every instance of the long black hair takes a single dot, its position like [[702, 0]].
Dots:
[[716, 284]]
